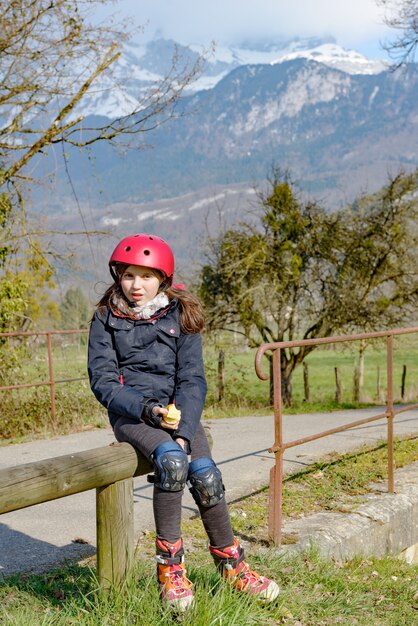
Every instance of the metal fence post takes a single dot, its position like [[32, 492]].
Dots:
[[276, 472], [51, 380], [390, 412]]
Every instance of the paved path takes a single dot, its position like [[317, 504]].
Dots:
[[39, 537]]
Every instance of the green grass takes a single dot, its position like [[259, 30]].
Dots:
[[244, 389], [26, 414], [315, 591]]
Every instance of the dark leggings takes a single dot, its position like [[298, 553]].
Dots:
[[167, 504]]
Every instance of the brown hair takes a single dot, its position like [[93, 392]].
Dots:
[[192, 316]]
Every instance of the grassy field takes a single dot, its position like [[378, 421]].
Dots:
[[314, 591], [243, 387], [27, 411]]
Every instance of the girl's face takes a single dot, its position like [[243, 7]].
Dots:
[[139, 284]]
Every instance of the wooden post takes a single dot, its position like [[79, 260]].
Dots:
[[206, 428], [356, 384], [51, 381], [403, 382], [109, 470], [361, 362], [115, 532], [306, 382], [337, 385], [221, 375]]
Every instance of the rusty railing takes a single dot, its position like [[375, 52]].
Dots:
[[52, 381], [279, 446]]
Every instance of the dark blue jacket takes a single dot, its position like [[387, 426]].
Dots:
[[132, 361]]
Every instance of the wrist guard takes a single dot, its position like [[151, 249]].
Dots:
[[148, 414]]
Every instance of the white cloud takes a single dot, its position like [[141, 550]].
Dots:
[[232, 21]]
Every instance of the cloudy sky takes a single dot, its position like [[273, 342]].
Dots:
[[356, 24]]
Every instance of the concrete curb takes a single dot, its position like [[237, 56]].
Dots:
[[383, 524]]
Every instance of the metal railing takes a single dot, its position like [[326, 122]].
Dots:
[[279, 446], [52, 381]]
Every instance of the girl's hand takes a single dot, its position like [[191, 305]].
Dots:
[[159, 410]]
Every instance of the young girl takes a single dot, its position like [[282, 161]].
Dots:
[[145, 352]]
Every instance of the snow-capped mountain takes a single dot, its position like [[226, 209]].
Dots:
[[338, 132], [335, 56], [142, 67], [339, 123]]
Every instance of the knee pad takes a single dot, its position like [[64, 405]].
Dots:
[[171, 466], [205, 481]]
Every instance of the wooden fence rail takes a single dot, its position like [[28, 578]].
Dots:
[[109, 470]]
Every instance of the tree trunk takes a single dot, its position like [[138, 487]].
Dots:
[[362, 350], [356, 385], [286, 376], [287, 395], [221, 375]]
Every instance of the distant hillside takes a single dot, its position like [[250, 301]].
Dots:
[[339, 132]]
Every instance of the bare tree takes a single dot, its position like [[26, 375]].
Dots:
[[52, 55], [402, 15]]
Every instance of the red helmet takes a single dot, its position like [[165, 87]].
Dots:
[[146, 250]]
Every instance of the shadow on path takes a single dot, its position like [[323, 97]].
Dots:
[[38, 555]]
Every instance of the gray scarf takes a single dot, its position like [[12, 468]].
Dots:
[[143, 311]]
